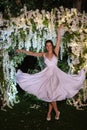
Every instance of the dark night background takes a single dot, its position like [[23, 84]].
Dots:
[[14, 6]]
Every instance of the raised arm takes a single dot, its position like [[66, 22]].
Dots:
[[37, 54], [58, 40]]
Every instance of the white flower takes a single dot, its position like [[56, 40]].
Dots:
[[73, 10], [48, 15], [75, 61]]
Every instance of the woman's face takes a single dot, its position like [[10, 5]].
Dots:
[[49, 46]]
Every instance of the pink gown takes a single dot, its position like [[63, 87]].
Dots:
[[51, 84]]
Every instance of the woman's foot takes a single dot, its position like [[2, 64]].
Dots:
[[48, 117], [57, 116]]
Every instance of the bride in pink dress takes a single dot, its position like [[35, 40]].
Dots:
[[51, 84]]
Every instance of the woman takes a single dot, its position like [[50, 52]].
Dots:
[[51, 84]]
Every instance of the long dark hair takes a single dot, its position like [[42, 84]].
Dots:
[[52, 46]]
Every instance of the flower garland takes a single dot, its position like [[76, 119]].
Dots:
[[30, 30]]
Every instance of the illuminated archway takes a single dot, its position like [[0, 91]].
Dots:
[[30, 30]]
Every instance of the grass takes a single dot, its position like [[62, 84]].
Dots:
[[30, 114]]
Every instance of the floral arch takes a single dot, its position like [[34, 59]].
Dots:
[[29, 31]]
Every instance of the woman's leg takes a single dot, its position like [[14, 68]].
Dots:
[[50, 107], [54, 104]]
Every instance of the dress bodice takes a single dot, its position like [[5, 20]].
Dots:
[[50, 62]]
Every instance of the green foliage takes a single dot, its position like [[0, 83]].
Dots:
[[85, 50], [45, 22], [22, 34], [81, 64], [63, 65], [1, 75], [67, 37], [14, 56], [33, 25]]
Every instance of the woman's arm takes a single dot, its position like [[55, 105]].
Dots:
[[37, 54], [58, 40]]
